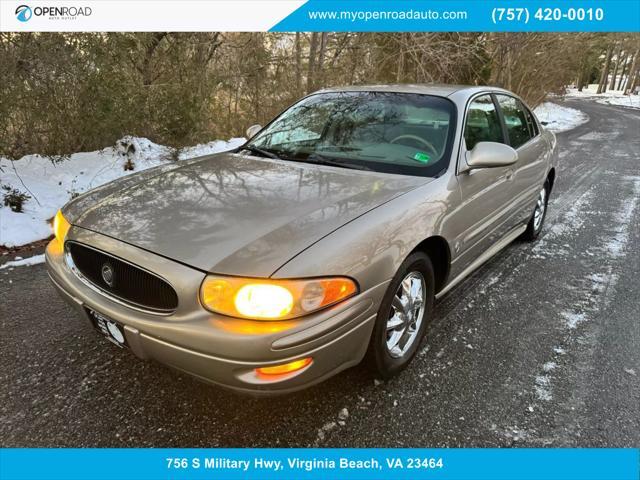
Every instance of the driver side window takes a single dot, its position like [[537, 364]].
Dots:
[[483, 123]]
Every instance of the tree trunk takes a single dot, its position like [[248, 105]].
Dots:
[[582, 75], [311, 69], [400, 67], [342, 43], [632, 72], [623, 72], [612, 85], [298, 50], [320, 68], [635, 82], [145, 69], [509, 80], [604, 75]]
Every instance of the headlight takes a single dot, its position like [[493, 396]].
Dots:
[[60, 227], [273, 299]]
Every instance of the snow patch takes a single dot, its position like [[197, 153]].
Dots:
[[617, 245], [514, 434], [573, 319], [22, 228], [610, 97], [569, 223], [24, 262], [343, 415], [595, 136], [597, 278], [559, 118], [543, 388], [327, 427]]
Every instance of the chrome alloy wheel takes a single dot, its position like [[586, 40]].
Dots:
[[406, 316], [541, 206]]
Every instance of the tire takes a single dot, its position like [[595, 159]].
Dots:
[[536, 222], [382, 357]]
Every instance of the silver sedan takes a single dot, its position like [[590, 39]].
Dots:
[[322, 241]]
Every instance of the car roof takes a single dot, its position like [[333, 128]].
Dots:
[[441, 90]]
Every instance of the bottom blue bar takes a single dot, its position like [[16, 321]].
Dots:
[[300, 464]]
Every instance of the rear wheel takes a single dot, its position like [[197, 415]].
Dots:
[[534, 227], [403, 316]]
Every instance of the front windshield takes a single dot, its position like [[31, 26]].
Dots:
[[402, 133]]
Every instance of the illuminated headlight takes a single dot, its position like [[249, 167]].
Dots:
[[60, 227], [273, 299]]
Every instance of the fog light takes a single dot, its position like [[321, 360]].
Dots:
[[285, 367]]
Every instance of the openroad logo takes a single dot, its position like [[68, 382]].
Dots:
[[24, 13]]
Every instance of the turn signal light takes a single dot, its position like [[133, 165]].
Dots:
[[285, 367], [60, 227]]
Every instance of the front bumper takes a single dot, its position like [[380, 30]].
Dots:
[[215, 348]]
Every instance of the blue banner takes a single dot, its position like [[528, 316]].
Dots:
[[301, 464], [464, 16]]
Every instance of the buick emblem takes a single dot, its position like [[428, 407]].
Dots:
[[107, 274]]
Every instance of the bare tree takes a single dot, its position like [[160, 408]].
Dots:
[[614, 74], [298, 54], [604, 75], [633, 73], [311, 70], [623, 72], [182, 88]]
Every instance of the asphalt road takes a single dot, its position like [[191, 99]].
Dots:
[[540, 347]]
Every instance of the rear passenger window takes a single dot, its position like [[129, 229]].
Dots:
[[520, 124], [483, 123]]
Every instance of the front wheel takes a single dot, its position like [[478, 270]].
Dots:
[[534, 227], [403, 316]]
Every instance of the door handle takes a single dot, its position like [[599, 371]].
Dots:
[[509, 175]]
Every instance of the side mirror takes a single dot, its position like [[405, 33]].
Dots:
[[491, 154], [252, 130]]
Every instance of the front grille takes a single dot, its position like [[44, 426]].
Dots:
[[122, 279]]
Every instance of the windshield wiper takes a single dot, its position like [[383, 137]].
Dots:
[[260, 151], [322, 160], [317, 158]]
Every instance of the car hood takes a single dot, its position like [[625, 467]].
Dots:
[[234, 214]]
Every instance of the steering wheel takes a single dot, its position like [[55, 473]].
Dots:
[[419, 140]]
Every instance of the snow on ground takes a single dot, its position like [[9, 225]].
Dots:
[[51, 185], [558, 118], [610, 97], [24, 262]]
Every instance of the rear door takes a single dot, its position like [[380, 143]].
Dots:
[[523, 134], [485, 192]]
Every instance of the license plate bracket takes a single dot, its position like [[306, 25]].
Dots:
[[109, 328]]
